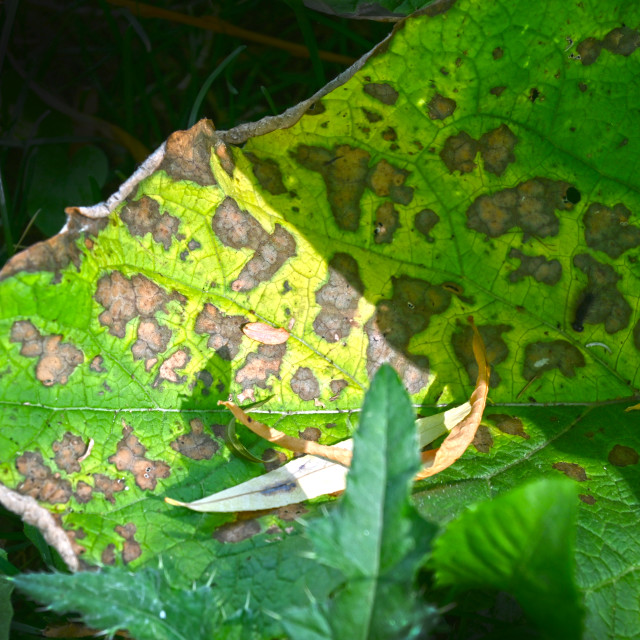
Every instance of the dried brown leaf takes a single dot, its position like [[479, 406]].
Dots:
[[265, 333]]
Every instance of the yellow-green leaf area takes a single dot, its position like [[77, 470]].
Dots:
[[473, 166]]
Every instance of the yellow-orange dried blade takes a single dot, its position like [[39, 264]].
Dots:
[[297, 445], [265, 333], [462, 435], [635, 407]]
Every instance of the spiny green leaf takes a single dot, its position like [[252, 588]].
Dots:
[[522, 542], [374, 537]]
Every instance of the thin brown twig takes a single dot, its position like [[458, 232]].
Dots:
[[211, 23]]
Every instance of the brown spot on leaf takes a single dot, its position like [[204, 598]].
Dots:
[[383, 176], [124, 299], [83, 492], [538, 267], [424, 222], [152, 340], [131, 549], [386, 223], [96, 365], [265, 333], [196, 445], [237, 531], [107, 486], [606, 303], [383, 92], [529, 206], [188, 154], [497, 53], [168, 369], [224, 154], [55, 254], [571, 470], [267, 173], [389, 134], [619, 41], [608, 230], [291, 511], [496, 347], [496, 149], [622, 456], [143, 216], [260, 365], [239, 230], [108, 555], [371, 116], [74, 535], [396, 321], [441, 107], [545, 356], [39, 482], [316, 108], [304, 384], [337, 386], [483, 440], [67, 451], [587, 498], [459, 152], [130, 457], [497, 91], [344, 170], [636, 335], [225, 332], [312, 434], [338, 298], [273, 459], [56, 359], [509, 424]]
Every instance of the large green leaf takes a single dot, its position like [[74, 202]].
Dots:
[[523, 543], [483, 160]]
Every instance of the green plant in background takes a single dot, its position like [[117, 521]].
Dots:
[[479, 161]]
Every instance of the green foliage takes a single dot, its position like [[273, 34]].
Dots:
[[521, 542], [481, 162], [374, 537]]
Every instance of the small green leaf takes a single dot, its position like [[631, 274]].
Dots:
[[523, 543], [374, 537], [145, 604]]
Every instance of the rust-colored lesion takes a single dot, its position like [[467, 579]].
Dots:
[[386, 223], [344, 170], [143, 216], [530, 205], [69, 452], [130, 456], [260, 365], [58, 252], [381, 91], [224, 331], [571, 470], [543, 356], [168, 370], [131, 549], [396, 321], [606, 303], [609, 230], [338, 298], [510, 425], [56, 359], [538, 267], [268, 174], [304, 384], [441, 107], [622, 41], [188, 154], [40, 482], [240, 230], [196, 444]]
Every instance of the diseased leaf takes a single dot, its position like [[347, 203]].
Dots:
[[521, 542], [374, 537], [481, 161]]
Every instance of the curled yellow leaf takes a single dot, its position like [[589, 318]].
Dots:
[[297, 445], [462, 435], [265, 333]]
